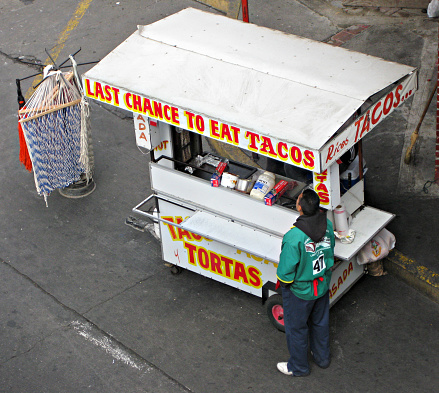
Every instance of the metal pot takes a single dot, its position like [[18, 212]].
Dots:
[[244, 185]]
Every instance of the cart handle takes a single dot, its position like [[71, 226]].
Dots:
[[154, 218]]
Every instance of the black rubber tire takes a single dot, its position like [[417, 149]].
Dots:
[[176, 270], [274, 305]]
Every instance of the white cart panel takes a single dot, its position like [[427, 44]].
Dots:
[[209, 258], [366, 223], [235, 234], [221, 201]]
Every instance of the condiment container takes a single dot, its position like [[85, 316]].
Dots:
[[263, 185]]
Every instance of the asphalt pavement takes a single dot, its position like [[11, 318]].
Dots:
[[86, 303]]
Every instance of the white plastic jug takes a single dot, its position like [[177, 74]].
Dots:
[[263, 185]]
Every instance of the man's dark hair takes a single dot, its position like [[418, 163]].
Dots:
[[309, 202]]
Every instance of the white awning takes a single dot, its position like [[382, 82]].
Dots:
[[283, 86]]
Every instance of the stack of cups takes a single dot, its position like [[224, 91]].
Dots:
[[341, 220]]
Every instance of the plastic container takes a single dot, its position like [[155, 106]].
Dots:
[[263, 185], [229, 180]]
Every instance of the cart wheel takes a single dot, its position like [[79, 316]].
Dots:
[[275, 311], [176, 270]]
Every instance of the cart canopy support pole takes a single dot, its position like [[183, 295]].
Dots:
[[245, 11]]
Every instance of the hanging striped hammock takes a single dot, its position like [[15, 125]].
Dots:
[[51, 122]]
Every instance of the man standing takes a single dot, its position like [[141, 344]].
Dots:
[[304, 273]]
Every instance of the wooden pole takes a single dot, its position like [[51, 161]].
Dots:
[[436, 167]]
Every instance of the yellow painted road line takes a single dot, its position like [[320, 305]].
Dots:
[[414, 274], [229, 7], [220, 5], [410, 265], [71, 25]]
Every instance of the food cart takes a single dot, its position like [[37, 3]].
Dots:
[[195, 76]]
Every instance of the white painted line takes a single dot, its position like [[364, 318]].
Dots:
[[87, 331]]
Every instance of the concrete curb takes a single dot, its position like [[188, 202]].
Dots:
[[415, 275]]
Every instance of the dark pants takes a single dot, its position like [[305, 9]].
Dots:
[[303, 317]]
